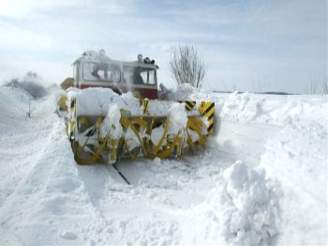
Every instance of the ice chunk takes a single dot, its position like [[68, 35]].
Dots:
[[157, 134], [178, 118], [111, 125], [131, 139]]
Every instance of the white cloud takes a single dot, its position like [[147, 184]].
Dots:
[[13, 66], [18, 38], [24, 8], [241, 42]]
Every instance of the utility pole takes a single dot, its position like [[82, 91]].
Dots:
[[28, 114]]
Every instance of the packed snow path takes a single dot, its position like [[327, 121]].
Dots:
[[204, 199]]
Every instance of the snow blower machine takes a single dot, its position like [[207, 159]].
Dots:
[[114, 109]]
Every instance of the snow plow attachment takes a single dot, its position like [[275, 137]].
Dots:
[[105, 127]]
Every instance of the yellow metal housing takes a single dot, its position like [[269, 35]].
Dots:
[[89, 146]]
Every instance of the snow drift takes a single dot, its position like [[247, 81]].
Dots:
[[260, 182]]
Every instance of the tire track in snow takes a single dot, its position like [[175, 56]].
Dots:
[[21, 154], [31, 179], [242, 141], [51, 203]]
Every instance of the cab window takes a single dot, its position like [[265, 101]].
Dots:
[[148, 76], [138, 75], [101, 72]]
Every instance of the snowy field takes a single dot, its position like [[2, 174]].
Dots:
[[261, 181]]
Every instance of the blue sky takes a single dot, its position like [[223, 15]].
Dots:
[[246, 45]]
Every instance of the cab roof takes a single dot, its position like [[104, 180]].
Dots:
[[100, 57]]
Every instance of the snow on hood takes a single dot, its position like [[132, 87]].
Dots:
[[95, 101]]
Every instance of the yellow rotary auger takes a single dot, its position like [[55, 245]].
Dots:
[[128, 117], [120, 134]]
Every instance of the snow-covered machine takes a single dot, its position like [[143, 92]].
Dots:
[[113, 111]]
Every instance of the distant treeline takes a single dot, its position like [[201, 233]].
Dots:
[[31, 83], [265, 93]]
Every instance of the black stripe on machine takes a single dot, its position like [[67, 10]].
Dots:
[[190, 105], [210, 128], [209, 108], [210, 117]]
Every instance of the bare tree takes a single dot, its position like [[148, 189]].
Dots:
[[324, 87], [186, 66], [312, 88]]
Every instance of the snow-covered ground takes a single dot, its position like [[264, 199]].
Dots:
[[261, 181]]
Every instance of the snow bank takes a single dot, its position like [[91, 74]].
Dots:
[[14, 105], [182, 92], [297, 157], [250, 210], [242, 209], [242, 107], [272, 109]]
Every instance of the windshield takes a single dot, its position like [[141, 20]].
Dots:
[[139, 75], [101, 71]]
